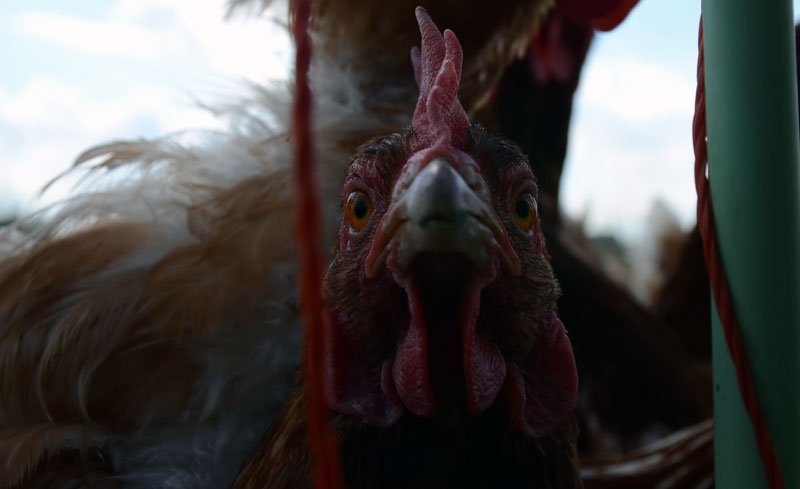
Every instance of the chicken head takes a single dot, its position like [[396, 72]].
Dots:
[[440, 298]]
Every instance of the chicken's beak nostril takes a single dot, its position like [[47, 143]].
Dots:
[[439, 218]]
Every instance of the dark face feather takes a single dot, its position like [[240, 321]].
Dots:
[[440, 296]]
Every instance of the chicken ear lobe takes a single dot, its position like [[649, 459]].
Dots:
[[352, 386], [542, 396]]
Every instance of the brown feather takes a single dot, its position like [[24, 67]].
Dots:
[[281, 459], [374, 39], [28, 448], [90, 340], [282, 456], [377, 37]]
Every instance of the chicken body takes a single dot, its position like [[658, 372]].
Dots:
[[444, 355], [446, 451]]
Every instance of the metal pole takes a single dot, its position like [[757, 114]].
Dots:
[[751, 101]]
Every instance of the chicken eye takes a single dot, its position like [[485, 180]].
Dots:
[[359, 208], [524, 210]]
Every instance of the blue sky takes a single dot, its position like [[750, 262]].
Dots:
[[88, 72], [83, 72], [631, 135]]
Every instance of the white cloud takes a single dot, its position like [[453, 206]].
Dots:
[[49, 105], [254, 48], [636, 89], [46, 126], [172, 30], [630, 145], [56, 115], [107, 37]]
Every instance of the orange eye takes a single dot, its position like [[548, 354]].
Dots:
[[358, 210], [524, 210]]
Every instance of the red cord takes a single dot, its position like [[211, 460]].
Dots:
[[721, 290], [326, 468]]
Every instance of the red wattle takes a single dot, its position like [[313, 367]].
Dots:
[[546, 395], [484, 365], [410, 371]]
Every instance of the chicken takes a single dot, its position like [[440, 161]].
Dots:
[[444, 356], [148, 326]]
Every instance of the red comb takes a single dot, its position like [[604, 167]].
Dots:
[[439, 115]]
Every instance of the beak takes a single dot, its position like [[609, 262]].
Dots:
[[439, 212], [440, 200]]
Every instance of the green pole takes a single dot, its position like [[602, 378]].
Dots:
[[751, 101]]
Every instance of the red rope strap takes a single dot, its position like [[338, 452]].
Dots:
[[326, 469], [720, 288]]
